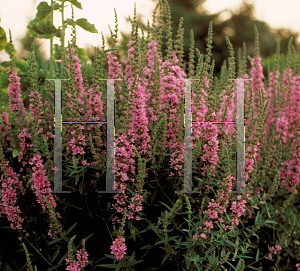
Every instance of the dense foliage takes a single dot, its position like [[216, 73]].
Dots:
[[149, 226]]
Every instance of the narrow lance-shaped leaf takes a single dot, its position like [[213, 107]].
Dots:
[[55, 255], [108, 265], [132, 263], [76, 179], [71, 228]]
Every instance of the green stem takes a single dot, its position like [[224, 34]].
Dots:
[[51, 45], [263, 257], [62, 38], [38, 251]]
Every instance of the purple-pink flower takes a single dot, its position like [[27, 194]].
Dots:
[[118, 248]]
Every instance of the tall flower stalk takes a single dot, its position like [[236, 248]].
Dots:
[[151, 93]]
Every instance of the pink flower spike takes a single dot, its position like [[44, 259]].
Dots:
[[206, 81]]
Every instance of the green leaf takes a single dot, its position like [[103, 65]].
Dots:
[[166, 257], [110, 256], [246, 257], [16, 153], [149, 246], [198, 179], [55, 241], [82, 54], [55, 255], [231, 265], [68, 21], [223, 253], [230, 243], [55, 6], [132, 263], [43, 10], [71, 172], [76, 179], [257, 217], [22, 65], [235, 254], [150, 128], [63, 258], [81, 189], [165, 205], [239, 265], [57, 52], [108, 265], [84, 24], [271, 221], [52, 268], [3, 39], [75, 3], [88, 237], [237, 242], [45, 36], [94, 167], [71, 228], [4, 81], [257, 255], [286, 243], [81, 168], [211, 249], [254, 268], [42, 27]]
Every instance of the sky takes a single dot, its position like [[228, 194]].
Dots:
[[101, 14]]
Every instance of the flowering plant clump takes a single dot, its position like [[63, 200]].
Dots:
[[211, 229], [82, 257]]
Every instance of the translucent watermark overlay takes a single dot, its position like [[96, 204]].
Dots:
[[110, 174], [187, 139], [110, 156], [57, 139], [240, 139]]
